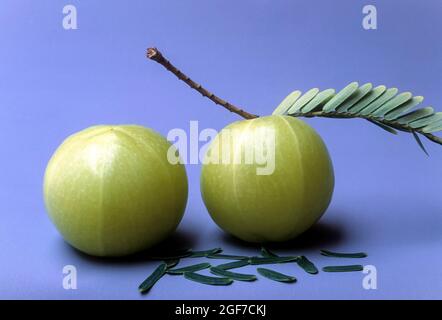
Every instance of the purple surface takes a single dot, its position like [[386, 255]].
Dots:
[[55, 82]]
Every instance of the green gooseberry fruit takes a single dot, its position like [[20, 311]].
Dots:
[[110, 190], [267, 207]]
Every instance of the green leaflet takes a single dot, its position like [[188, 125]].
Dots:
[[328, 253], [173, 255], [306, 97], [275, 276], [213, 281], [415, 115], [367, 99], [433, 127], [172, 263], [340, 97], [286, 104], [349, 268], [205, 253], [427, 121], [382, 99], [233, 275], [226, 257], [267, 253], [355, 97], [381, 106], [307, 265], [320, 98], [147, 284], [233, 265], [419, 142], [271, 260], [192, 268], [393, 104], [383, 126], [410, 104]]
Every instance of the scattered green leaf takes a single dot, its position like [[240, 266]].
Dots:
[[307, 265], [275, 276], [328, 253], [172, 255], [234, 265], [213, 281], [267, 253], [232, 275], [172, 263], [349, 268], [147, 284], [205, 253], [271, 260], [192, 268], [226, 257]]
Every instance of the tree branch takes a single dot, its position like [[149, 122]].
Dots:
[[155, 55]]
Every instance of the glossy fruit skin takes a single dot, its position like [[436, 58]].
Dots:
[[275, 207], [111, 191]]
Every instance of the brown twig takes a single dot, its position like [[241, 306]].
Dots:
[[155, 55]]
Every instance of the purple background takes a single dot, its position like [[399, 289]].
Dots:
[[55, 82]]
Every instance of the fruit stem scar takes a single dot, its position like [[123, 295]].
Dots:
[[155, 55]]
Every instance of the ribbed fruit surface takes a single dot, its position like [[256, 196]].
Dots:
[[111, 191], [273, 207]]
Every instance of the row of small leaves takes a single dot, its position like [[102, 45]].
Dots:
[[382, 106], [224, 275]]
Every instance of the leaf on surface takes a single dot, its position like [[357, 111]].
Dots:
[[205, 253], [172, 255], [147, 284], [192, 268], [172, 263], [328, 253], [234, 265], [307, 265], [226, 257], [349, 268], [267, 253], [233, 275], [271, 260], [213, 281], [276, 276]]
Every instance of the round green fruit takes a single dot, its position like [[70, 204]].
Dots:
[[273, 205], [111, 191]]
